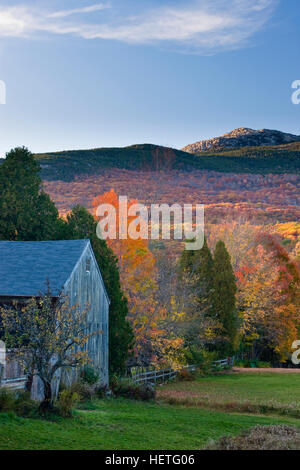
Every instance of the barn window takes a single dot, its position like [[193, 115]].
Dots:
[[88, 265]]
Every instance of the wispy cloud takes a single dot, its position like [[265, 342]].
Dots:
[[201, 26], [90, 9]]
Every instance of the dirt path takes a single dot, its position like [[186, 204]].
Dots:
[[263, 370]]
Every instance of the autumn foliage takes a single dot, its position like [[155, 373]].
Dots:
[[138, 272], [267, 276]]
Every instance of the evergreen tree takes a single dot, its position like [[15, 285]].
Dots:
[[198, 264], [80, 224], [28, 214], [196, 290], [26, 211], [224, 302]]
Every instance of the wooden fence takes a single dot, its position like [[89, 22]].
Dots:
[[163, 375], [11, 372], [17, 383], [13, 381]]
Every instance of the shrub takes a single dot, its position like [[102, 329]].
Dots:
[[89, 376], [242, 363], [252, 363], [263, 365], [7, 401], [206, 363], [17, 402], [24, 406], [103, 391], [67, 401], [187, 375], [84, 390], [128, 389]]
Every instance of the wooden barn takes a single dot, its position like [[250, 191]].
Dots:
[[70, 268]]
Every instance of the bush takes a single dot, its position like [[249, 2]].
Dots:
[[17, 402], [204, 360], [263, 365], [84, 390], [187, 375], [128, 389], [67, 401], [24, 406], [252, 363], [240, 363], [103, 391], [89, 376], [7, 401]]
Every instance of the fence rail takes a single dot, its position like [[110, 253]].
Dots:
[[221, 363], [17, 383], [150, 376], [162, 375]]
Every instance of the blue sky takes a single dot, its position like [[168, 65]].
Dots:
[[84, 74]]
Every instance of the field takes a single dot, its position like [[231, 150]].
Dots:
[[122, 424], [266, 392]]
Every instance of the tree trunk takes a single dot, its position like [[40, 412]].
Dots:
[[47, 403], [29, 382]]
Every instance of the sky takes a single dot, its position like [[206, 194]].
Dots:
[[86, 74]]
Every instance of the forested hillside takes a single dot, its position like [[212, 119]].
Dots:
[[68, 165]]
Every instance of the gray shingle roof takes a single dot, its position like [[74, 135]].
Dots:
[[26, 266]]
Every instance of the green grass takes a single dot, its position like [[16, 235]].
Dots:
[[203, 410], [263, 392], [122, 425]]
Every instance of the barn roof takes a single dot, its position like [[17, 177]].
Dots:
[[25, 267]]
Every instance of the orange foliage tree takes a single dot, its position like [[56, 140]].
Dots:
[[138, 272], [269, 297]]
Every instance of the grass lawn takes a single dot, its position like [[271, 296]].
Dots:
[[196, 413], [264, 392], [123, 424]]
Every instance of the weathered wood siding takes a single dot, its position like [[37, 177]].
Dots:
[[12, 368], [86, 287]]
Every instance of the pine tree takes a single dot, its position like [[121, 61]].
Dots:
[[195, 289], [81, 224], [26, 211], [28, 214], [224, 302], [199, 265]]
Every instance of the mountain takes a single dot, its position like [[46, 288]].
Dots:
[[70, 165], [242, 137]]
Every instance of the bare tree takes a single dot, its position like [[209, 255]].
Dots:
[[46, 335]]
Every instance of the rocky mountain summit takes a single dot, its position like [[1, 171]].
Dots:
[[243, 137]]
